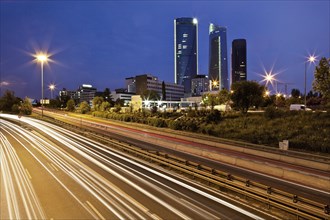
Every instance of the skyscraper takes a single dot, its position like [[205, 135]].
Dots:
[[238, 61], [185, 51], [218, 63]]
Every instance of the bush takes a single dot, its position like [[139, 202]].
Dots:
[[213, 116], [175, 125]]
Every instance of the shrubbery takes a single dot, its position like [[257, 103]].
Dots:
[[305, 130]]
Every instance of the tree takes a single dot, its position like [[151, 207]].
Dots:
[[210, 100], [223, 96], [295, 93], [70, 105], [120, 102], [107, 95], [105, 106], [8, 100], [84, 107], [26, 107], [117, 108], [97, 101], [246, 94], [163, 91], [321, 82], [54, 103]]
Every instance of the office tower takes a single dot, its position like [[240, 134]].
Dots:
[[218, 63], [199, 85], [238, 60], [185, 51]]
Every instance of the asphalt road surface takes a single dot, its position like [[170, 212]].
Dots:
[[49, 172]]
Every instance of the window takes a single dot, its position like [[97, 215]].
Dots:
[[185, 35]]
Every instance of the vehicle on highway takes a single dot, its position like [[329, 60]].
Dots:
[[299, 107]]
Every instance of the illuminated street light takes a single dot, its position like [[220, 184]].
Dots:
[[52, 88], [311, 59], [42, 58], [269, 78], [214, 83]]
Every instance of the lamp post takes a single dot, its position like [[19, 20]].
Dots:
[[42, 58], [311, 59], [51, 87]]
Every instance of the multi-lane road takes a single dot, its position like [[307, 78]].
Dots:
[[50, 172]]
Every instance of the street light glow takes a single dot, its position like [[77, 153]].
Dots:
[[269, 78], [312, 59], [51, 86], [42, 57]]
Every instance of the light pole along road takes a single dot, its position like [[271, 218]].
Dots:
[[42, 58], [50, 172]]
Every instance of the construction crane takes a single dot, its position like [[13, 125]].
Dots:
[[285, 86]]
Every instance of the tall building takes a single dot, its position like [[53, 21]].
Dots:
[[185, 51], [238, 60], [218, 62]]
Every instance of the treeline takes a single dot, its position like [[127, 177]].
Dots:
[[9, 103]]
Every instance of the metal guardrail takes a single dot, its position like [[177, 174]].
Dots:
[[272, 197]]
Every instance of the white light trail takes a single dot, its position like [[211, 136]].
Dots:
[[22, 201], [120, 204]]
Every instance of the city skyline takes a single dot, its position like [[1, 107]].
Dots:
[[102, 43]]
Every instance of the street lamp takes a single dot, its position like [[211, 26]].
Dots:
[[52, 88], [311, 59], [269, 77], [42, 58]]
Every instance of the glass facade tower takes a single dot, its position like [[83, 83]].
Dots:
[[238, 61], [218, 62], [185, 51]]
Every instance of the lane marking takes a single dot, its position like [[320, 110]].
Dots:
[[27, 172], [53, 165], [198, 209], [95, 210]]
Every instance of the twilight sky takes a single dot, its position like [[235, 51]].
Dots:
[[103, 42]]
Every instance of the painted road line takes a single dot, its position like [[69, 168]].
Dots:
[[27, 172], [53, 166], [95, 210]]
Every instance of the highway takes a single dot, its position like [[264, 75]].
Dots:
[[148, 140], [50, 172]]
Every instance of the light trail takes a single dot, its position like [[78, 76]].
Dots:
[[121, 205], [22, 201]]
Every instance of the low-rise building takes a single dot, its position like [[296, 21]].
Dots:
[[140, 83], [85, 92], [122, 95]]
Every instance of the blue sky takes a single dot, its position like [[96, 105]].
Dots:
[[103, 42]]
